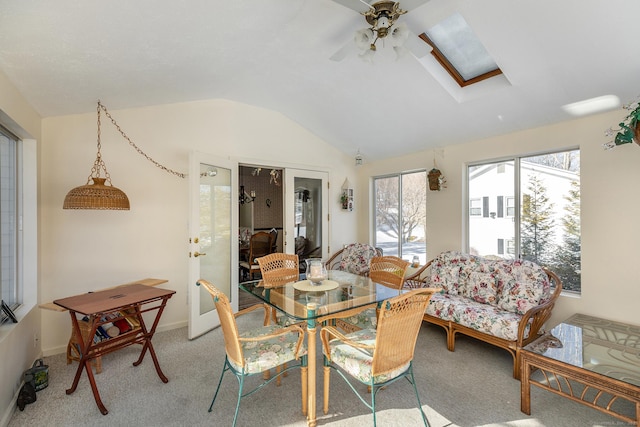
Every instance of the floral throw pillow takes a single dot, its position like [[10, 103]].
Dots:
[[356, 258]]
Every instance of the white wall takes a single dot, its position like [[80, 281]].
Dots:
[[89, 250], [609, 203], [18, 349]]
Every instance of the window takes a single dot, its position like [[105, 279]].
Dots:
[[511, 206], [400, 215], [542, 215], [9, 217], [459, 51], [475, 207]]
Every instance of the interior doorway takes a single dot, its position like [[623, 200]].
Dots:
[[261, 207], [290, 203]]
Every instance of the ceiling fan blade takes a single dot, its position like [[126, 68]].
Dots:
[[359, 6], [409, 4], [417, 46]]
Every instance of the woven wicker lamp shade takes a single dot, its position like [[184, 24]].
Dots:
[[102, 195], [96, 196]]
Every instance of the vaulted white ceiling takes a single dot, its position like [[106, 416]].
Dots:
[[64, 55]]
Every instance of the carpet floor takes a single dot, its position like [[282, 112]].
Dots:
[[472, 386]]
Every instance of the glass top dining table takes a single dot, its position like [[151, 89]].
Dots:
[[303, 302], [307, 302]]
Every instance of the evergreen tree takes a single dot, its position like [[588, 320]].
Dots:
[[537, 223], [568, 265]]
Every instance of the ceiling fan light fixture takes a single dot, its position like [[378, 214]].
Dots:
[[367, 55], [382, 25], [382, 17], [364, 38], [399, 34]]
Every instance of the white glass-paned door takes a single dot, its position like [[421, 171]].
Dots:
[[212, 237], [306, 219]]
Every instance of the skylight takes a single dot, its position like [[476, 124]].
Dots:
[[459, 51]]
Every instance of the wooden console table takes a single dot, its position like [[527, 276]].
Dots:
[[589, 360], [128, 300], [73, 346]]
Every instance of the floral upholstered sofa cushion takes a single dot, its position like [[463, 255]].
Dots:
[[356, 258], [488, 295]]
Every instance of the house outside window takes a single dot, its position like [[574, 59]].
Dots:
[[400, 214], [475, 207], [511, 206], [542, 213]]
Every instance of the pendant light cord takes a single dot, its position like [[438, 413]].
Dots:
[[124, 135]]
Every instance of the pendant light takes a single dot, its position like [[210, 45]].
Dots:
[[100, 194]]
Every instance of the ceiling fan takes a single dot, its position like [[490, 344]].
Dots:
[[382, 17]]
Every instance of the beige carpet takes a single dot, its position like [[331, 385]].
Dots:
[[472, 386]]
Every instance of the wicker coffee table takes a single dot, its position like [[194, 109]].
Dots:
[[589, 360]]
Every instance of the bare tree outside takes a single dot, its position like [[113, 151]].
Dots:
[[401, 203], [414, 205]]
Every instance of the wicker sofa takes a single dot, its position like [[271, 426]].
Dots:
[[501, 302], [354, 258]]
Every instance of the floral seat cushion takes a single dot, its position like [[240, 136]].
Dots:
[[442, 305], [482, 317], [356, 258], [367, 319], [260, 356], [356, 361]]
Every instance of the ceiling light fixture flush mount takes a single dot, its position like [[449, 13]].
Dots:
[[101, 194]]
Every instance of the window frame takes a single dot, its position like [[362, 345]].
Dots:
[[14, 296], [374, 199], [512, 247], [453, 72]]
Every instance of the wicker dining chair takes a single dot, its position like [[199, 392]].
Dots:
[[384, 270], [260, 244], [378, 357], [278, 269], [244, 351], [389, 271]]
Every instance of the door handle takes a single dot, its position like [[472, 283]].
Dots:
[[197, 254]]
